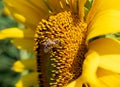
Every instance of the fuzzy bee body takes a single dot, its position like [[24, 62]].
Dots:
[[49, 44]]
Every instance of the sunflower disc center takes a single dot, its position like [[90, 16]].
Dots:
[[60, 48]]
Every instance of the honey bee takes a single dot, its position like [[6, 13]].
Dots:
[[49, 44]]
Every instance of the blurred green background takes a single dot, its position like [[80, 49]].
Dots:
[[9, 53]]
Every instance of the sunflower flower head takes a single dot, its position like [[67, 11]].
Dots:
[[66, 56], [59, 45]]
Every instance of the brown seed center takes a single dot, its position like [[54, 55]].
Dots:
[[60, 48]]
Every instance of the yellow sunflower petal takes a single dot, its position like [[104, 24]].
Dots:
[[21, 65], [90, 67], [103, 72], [11, 33], [109, 51], [110, 62], [105, 46], [95, 6], [77, 7], [6, 11], [19, 84], [106, 18], [100, 6], [28, 80], [18, 66], [28, 33], [76, 83], [57, 6], [24, 37], [25, 43], [64, 4], [111, 80], [29, 12], [16, 33], [29, 63], [81, 8]]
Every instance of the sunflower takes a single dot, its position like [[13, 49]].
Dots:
[[66, 55]]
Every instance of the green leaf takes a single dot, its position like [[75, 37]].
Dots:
[[6, 22], [24, 54], [5, 63], [87, 7], [12, 51], [88, 4], [10, 78]]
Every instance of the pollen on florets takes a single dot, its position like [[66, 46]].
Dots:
[[60, 48]]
